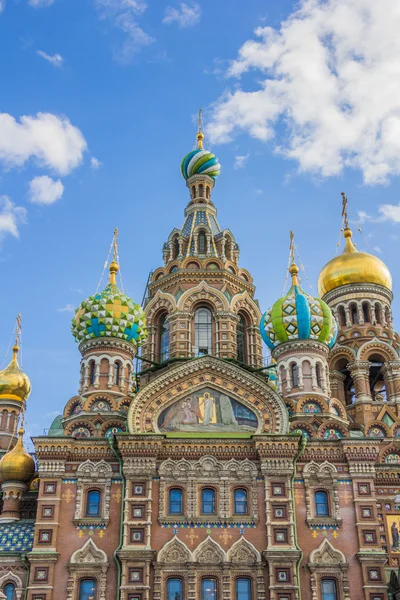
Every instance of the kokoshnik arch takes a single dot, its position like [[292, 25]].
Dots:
[[210, 475]]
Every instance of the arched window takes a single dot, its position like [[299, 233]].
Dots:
[[164, 328], [243, 588], [92, 372], [321, 503], [202, 243], [240, 502], [208, 501], [201, 190], [176, 248], [87, 589], [193, 191], [117, 372], [202, 331], [207, 192], [9, 591], [342, 316], [93, 503], [294, 371], [209, 589], [318, 374], [328, 589], [388, 316], [378, 313], [174, 588], [366, 315], [354, 314], [175, 501], [241, 339]]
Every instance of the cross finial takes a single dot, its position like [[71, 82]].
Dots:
[[344, 210], [293, 269], [291, 247], [18, 329], [115, 245], [200, 134]]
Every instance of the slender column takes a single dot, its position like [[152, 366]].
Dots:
[[359, 370]]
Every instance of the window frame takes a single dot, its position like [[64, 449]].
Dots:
[[174, 578], [250, 590], [203, 331], [324, 580], [175, 489], [213, 501], [294, 374], [241, 333], [327, 503], [14, 590], [87, 503], [164, 337], [213, 579], [82, 580], [246, 501]]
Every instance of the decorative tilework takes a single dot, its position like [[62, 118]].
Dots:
[[16, 537], [240, 526]]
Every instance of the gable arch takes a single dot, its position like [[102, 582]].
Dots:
[[376, 346], [203, 292], [161, 300], [174, 551], [209, 552], [243, 552]]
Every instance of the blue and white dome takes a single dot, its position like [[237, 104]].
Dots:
[[200, 161]]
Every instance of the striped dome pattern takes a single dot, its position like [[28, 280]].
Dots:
[[298, 316], [109, 314], [198, 162]]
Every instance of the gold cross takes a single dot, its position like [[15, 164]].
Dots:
[[344, 210], [117, 496], [192, 537], [225, 537], [68, 496], [291, 246], [298, 495], [347, 497]]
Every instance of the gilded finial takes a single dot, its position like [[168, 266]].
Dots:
[[18, 329], [114, 268], [348, 234], [200, 134], [293, 269]]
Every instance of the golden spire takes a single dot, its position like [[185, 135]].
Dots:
[[114, 268], [350, 247], [15, 348], [293, 269], [200, 134], [14, 383]]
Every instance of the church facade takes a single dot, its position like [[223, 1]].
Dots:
[[205, 473]]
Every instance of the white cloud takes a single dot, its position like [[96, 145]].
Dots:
[[53, 141], [2, 5], [377, 249], [66, 308], [240, 161], [40, 3], [326, 87], [54, 59], [45, 190], [95, 163], [10, 217], [185, 16], [123, 15], [390, 212]]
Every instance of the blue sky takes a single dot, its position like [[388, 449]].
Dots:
[[298, 107]]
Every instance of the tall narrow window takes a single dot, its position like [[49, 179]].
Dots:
[[342, 316], [174, 588], [202, 244], [354, 314], [93, 503], [176, 248], [240, 502], [92, 372], [209, 589], [241, 339], [366, 316], [193, 191], [378, 314], [117, 373], [329, 589], [321, 504], [318, 374], [164, 338], [295, 375], [175, 501], [243, 588], [87, 589], [9, 591], [202, 331], [208, 501], [201, 190]]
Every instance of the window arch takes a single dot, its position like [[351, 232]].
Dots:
[[9, 591], [164, 333], [243, 588], [201, 190], [378, 313], [294, 372], [202, 243], [174, 588], [208, 501], [240, 502], [329, 589], [342, 316], [176, 247], [241, 346], [193, 191], [117, 372], [321, 499], [207, 192], [388, 316], [175, 501], [318, 374], [87, 589], [92, 372], [354, 314], [93, 503], [366, 312], [209, 589], [203, 331]]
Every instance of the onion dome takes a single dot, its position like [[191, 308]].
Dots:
[[110, 313], [353, 266], [200, 161], [298, 316], [14, 383], [17, 465]]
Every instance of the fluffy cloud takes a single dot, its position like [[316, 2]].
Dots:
[[10, 217], [45, 190], [185, 16], [51, 140], [240, 161], [95, 163], [326, 87], [54, 59], [123, 15], [390, 212], [2, 5]]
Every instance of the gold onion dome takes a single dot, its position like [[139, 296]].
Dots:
[[14, 383], [17, 465], [353, 266]]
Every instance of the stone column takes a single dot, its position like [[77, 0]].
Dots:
[[348, 318], [391, 374], [359, 370], [337, 386]]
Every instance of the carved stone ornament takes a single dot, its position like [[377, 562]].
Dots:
[[327, 560], [209, 552], [93, 473], [175, 551], [244, 553], [88, 561]]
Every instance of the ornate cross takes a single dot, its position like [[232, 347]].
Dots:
[[344, 210]]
